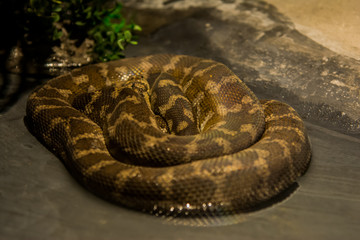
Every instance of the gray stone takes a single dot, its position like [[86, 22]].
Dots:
[[264, 49]]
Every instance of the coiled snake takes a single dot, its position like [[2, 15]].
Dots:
[[171, 135]]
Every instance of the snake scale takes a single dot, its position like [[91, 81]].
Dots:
[[171, 135]]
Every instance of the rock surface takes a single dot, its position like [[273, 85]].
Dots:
[[332, 23], [263, 48]]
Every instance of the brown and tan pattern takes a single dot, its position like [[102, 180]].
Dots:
[[170, 135]]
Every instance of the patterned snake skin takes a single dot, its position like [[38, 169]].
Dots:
[[171, 135]]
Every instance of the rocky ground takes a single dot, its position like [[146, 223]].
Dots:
[[263, 47]]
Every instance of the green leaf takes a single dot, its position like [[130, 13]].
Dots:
[[57, 9], [120, 44], [88, 12], [88, 15], [107, 21], [137, 28], [116, 11], [79, 23], [127, 35], [118, 26], [98, 37], [88, 9], [112, 36], [55, 16], [57, 34], [97, 15]]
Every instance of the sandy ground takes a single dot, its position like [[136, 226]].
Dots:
[[333, 23]]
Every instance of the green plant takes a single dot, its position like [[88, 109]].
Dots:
[[98, 20]]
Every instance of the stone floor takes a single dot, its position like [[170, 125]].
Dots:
[[40, 200]]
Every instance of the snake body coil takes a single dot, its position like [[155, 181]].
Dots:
[[172, 135]]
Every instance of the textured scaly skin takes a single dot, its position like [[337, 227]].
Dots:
[[171, 135]]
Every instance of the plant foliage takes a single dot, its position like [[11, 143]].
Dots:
[[99, 20]]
